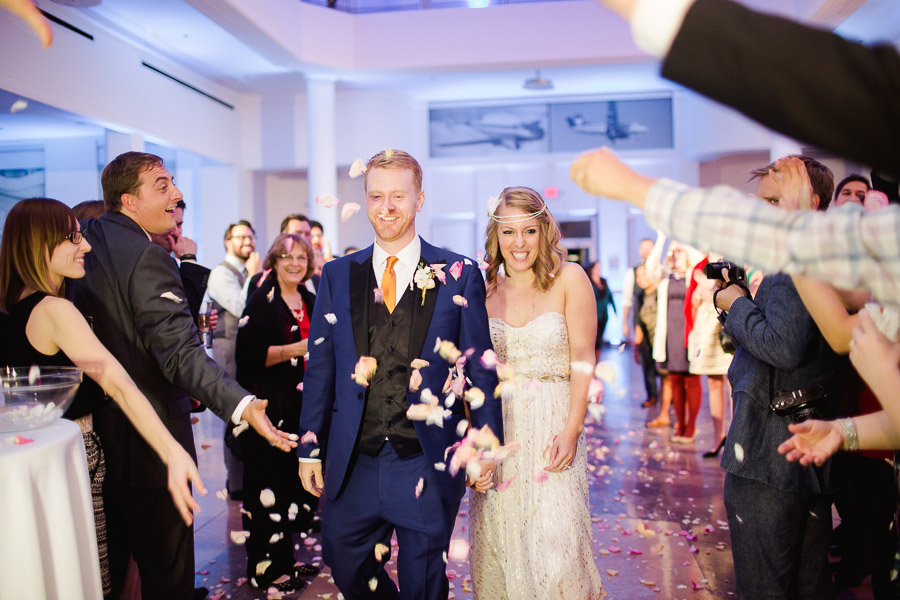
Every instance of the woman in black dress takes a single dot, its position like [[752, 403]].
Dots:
[[41, 247], [270, 350]]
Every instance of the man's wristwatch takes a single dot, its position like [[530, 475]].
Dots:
[[188, 256]]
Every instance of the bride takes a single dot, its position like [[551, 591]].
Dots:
[[533, 538]]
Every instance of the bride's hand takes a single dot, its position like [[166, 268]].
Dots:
[[562, 451], [486, 480]]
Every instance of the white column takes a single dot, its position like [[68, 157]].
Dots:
[[320, 115], [119, 143], [783, 146]]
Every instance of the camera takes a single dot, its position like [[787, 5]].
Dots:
[[736, 273], [800, 405]]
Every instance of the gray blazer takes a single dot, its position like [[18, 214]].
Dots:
[[130, 293]]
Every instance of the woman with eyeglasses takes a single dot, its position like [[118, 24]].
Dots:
[[41, 247], [270, 349]]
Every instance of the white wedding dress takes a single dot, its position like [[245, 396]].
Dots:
[[533, 540]]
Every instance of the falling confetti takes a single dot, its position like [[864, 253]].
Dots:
[[504, 485], [271, 295], [365, 370], [330, 318], [380, 551], [739, 452], [379, 295], [170, 296], [415, 380], [459, 550], [447, 350], [348, 210], [309, 438], [327, 201], [388, 153], [244, 320], [267, 498], [605, 371], [460, 301], [18, 105], [456, 270], [420, 485], [475, 397], [239, 537], [357, 168]]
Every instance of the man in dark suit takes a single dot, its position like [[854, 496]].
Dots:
[[133, 292], [779, 513], [806, 83], [384, 472]]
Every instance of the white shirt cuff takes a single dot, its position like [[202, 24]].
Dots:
[[239, 411], [655, 23], [308, 460]]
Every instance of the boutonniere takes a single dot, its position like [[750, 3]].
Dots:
[[425, 276]]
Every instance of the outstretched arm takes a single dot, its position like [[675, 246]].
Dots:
[[827, 310], [581, 317], [59, 325], [28, 12]]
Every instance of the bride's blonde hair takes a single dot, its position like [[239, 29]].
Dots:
[[551, 256]]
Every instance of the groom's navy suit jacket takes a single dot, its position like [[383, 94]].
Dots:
[[333, 403]]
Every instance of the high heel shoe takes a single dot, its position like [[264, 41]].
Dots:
[[715, 453]]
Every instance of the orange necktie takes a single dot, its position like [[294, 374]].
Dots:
[[389, 284]]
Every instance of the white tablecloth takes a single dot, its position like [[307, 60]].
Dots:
[[48, 543]]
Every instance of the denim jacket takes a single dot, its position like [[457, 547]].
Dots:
[[775, 334]]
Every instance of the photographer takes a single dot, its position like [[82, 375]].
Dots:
[[779, 513]]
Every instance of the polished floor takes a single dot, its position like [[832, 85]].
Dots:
[[660, 529]]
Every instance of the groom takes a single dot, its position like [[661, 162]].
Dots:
[[386, 473]]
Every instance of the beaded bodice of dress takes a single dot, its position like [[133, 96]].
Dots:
[[539, 348]]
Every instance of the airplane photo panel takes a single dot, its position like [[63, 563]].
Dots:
[[495, 130], [622, 124]]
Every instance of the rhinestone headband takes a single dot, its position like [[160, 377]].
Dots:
[[494, 204], [518, 218]]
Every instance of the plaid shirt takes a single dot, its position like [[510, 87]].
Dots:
[[848, 247]]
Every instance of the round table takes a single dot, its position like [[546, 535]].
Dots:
[[48, 545]]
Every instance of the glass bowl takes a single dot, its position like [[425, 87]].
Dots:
[[33, 397]]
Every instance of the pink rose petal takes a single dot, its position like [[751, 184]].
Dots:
[[327, 201]]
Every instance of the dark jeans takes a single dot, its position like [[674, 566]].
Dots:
[[779, 541], [648, 366]]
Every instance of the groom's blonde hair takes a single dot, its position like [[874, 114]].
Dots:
[[396, 159], [551, 256]]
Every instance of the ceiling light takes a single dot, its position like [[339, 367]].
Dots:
[[538, 82]]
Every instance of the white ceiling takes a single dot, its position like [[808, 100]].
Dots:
[[225, 42]]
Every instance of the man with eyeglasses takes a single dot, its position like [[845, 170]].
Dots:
[[226, 290]]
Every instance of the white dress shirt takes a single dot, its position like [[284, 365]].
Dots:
[[404, 268], [225, 288], [655, 23]]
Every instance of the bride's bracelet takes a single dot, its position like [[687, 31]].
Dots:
[[848, 431]]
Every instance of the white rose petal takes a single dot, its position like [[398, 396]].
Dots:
[[170, 296], [267, 498]]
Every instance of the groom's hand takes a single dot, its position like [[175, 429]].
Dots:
[[311, 477]]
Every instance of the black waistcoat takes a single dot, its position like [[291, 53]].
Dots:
[[384, 415]]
